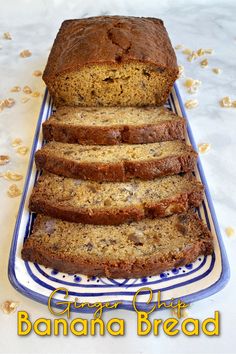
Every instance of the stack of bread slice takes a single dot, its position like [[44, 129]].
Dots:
[[117, 194]]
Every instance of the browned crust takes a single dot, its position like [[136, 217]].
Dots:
[[118, 171], [105, 216], [129, 134], [121, 40], [139, 267]]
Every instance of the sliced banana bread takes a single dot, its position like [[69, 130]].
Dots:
[[111, 203], [117, 162], [131, 250], [111, 61], [113, 125]]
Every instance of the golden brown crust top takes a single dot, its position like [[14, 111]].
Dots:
[[110, 40]]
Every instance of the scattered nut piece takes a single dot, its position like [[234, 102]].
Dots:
[[27, 90], [24, 99], [204, 63], [226, 102], [192, 85], [192, 56], [191, 104], [9, 307], [203, 148], [187, 51], [217, 70], [181, 71], [9, 102], [183, 313], [200, 52], [233, 103], [25, 53], [12, 176], [13, 191], [179, 46], [2, 105], [35, 94], [22, 150], [229, 231], [4, 159], [16, 142], [15, 89], [209, 51], [7, 35], [37, 73]]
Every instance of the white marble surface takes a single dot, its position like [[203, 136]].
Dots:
[[196, 24]]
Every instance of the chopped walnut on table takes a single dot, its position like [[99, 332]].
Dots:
[[192, 85], [226, 102], [9, 307], [15, 89], [229, 231], [12, 176], [37, 73], [9, 102], [216, 70], [27, 90], [191, 104], [187, 51], [2, 105], [4, 159], [204, 63], [181, 71], [13, 191], [25, 53], [35, 94], [192, 56], [203, 148], [179, 46], [7, 35], [16, 142], [22, 150]]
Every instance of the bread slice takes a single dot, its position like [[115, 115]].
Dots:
[[131, 250], [111, 61], [113, 125], [112, 203], [117, 162]]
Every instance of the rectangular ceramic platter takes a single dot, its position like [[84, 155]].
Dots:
[[195, 281]]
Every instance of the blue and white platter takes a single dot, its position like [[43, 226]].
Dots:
[[195, 281]]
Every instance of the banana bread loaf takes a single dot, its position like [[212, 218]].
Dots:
[[111, 61], [112, 203], [118, 162], [131, 250], [113, 125]]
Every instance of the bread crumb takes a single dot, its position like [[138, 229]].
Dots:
[[179, 46], [4, 159], [217, 70], [203, 148], [226, 102], [12, 176], [9, 102], [37, 73], [9, 307], [191, 104], [22, 150], [181, 71], [35, 94], [24, 99], [16, 89], [187, 51], [229, 231], [27, 90], [25, 53], [204, 63], [7, 35], [16, 142], [13, 191]]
